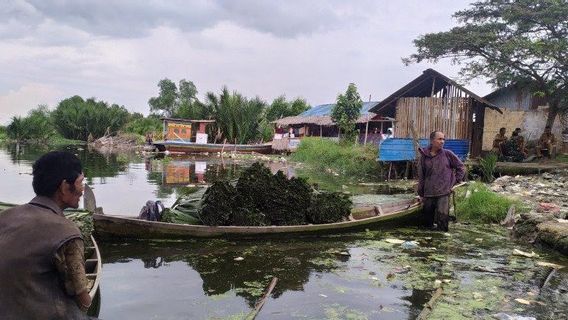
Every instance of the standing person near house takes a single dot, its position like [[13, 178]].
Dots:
[[498, 141], [42, 270], [439, 170], [546, 143]]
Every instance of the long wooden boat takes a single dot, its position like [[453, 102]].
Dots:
[[93, 267], [112, 226], [192, 147]]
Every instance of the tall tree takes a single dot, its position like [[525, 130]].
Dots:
[[522, 42], [346, 112], [166, 101]]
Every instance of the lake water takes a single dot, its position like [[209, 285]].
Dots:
[[355, 276]]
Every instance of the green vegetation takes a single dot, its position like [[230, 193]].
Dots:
[[36, 126], [75, 118], [3, 134], [237, 119], [280, 108], [521, 42], [478, 203], [141, 126], [346, 111], [487, 166], [326, 155]]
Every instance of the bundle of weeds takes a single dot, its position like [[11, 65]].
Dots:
[[350, 159], [283, 201], [479, 204], [328, 207], [261, 198], [217, 204]]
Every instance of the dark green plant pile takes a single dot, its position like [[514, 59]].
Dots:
[[260, 198], [327, 207]]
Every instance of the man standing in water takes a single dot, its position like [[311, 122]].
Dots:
[[439, 170], [42, 269]]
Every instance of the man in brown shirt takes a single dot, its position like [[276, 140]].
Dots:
[[42, 272]]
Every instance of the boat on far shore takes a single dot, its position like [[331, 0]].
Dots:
[[180, 136], [192, 147]]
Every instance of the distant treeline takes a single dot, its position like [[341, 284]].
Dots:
[[238, 119]]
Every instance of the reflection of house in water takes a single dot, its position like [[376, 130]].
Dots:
[[177, 173], [288, 171]]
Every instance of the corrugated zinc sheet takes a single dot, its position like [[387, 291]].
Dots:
[[400, 149], [325, 109]]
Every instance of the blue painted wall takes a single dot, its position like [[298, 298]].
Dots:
[[398, 149]]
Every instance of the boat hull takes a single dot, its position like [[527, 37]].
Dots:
[[190, 147], [121, 227]]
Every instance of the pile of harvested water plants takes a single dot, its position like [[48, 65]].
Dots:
[[259, 198]]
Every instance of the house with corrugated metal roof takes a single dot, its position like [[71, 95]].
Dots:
[[520, 109], [317, 122], [433, 102]]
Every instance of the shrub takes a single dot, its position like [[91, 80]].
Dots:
[[351, 160], [478, 203], [487, 166]]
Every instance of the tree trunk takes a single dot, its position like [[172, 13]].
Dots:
[[552, 113]]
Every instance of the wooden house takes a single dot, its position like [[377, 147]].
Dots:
[[432, 102]]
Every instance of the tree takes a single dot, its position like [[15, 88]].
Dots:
[[36, 126], [280, 108], [177, 101], [522, 42], [237, 119], [346, 112], [167, 100]]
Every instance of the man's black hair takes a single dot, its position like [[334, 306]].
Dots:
[[433, 134], [51, 169], [502, 129]]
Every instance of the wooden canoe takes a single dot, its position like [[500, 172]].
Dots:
[[192, 147], [112, 226]]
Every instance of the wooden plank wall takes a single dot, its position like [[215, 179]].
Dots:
[[451, 115]]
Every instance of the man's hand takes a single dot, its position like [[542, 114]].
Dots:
[[83, 301]]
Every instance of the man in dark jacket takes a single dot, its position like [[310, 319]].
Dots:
[[438, 171], [42, 271]]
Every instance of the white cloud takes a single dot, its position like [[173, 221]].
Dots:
[[21, 101], [118, 52]]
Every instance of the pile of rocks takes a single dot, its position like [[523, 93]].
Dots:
[[547, 197]]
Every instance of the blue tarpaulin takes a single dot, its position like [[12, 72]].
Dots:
[[399, 149]]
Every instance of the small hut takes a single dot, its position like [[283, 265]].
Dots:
[[431, 102], [317, 122]]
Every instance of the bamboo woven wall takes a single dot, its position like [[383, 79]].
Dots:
[[451, 115]]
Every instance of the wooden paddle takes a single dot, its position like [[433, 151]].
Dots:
[[259, 305]]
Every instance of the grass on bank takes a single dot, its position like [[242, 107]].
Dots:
[[327, 155], [477, 203]]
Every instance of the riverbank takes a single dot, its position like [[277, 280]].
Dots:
[[547, 196]]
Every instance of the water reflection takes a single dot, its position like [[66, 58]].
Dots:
[[220, 268]]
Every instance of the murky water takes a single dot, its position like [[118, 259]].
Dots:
[[354, 276]]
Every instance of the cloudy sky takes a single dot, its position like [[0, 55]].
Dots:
[[117, 51]]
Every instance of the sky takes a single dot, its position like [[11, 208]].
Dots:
[[118, 51]]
